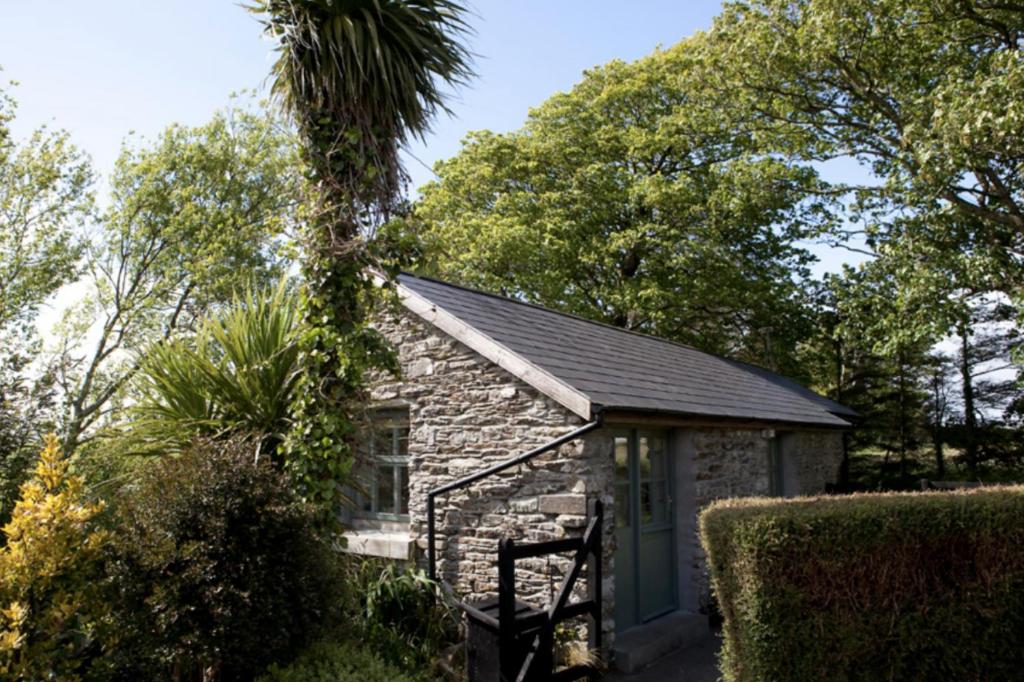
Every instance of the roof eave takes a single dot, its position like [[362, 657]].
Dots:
[[613, 414]]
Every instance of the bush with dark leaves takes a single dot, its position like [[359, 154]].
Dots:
[[221, 571]]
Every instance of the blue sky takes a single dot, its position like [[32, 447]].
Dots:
[[103, 69]]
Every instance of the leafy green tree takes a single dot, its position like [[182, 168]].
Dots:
[[853, 360], [45, 198], [925, 93], [220, 569], [238, 375], [26, 407], [359, 78], [195, 215], [633, 201], [989, 380], [938, 406]]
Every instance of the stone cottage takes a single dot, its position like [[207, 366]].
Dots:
[[485, 378]]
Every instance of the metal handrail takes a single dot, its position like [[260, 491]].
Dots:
[[473, 478]]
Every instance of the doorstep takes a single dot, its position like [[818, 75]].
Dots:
[[642, 645]]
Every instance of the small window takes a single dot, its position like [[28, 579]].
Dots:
[[383, 472]]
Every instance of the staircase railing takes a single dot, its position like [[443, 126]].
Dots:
[[484, 473]]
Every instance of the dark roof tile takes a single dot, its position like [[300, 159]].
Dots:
[[619, 369]]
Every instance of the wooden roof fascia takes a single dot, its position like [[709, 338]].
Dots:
[[640, 418]]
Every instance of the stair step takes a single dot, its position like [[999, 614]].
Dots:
[[644, 644]]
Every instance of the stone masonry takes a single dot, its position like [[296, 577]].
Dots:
[[735, 463], [467, 413]]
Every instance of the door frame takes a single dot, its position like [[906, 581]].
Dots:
[[633, 435]]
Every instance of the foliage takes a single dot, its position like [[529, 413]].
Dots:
[[54, 620], [238, 375], [924, 92], [379, 67], [25, 405], [220, 568], [358, 78], [330, 661], [45, 196], [634, 200], [876, 471], [870, 587], [404, 617], [854, 362], [194, 216]]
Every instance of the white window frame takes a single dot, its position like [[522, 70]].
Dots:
[[396, 423]]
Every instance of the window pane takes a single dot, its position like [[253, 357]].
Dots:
[[659, 458], [653, 458], [646, 511], [621, 459], [364, 488], [403, 489], [385, 488], [659, 501], [645, 459], [622, 506], [383, 443], [403, 442]]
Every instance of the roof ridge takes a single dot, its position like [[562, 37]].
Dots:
[[661, 339]]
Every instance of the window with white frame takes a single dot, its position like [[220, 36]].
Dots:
[[384, 466]]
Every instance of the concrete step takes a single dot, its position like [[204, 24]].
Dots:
[[644, 644]]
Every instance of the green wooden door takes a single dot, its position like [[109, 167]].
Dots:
[[645, 566]]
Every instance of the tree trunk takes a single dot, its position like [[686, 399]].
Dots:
[[938, 407], [940, 460], [844, 466], [970, 419], [903, 415]]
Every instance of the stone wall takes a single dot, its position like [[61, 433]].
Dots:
[[736, 463], [815, 458], [466, 414]]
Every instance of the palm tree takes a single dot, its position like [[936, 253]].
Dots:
[[359, 78]]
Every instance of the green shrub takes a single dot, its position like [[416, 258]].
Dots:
[[337, 662], [403, 615], [220, 567], [870, 587]]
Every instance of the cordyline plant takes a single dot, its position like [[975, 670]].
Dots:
[[359, 78]]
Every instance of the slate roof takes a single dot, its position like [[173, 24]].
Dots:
[[619, 369]]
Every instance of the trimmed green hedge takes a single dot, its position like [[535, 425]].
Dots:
[[870, 587]]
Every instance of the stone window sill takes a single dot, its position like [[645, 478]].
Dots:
[[379, 543]]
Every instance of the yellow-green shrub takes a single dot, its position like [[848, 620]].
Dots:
[[870, 587], [52, 615]]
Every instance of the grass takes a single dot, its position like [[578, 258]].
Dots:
[[871, 471]]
